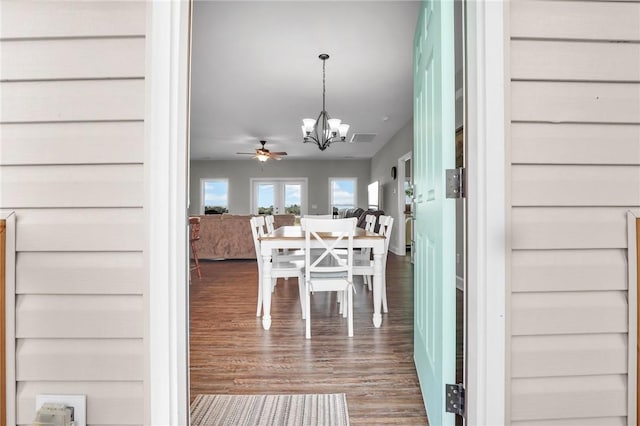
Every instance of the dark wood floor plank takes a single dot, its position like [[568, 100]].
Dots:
[[230, 352]]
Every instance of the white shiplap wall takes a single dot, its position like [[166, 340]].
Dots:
[[72, 81], [575, 171]]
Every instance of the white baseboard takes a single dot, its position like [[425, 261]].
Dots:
[[398, 251]]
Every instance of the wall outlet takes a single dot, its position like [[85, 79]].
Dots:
[[78, 402]]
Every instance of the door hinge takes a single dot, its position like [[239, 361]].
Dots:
[[455, 183], [455, 399]]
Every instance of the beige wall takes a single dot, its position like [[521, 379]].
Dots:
[[575, 170], [240, 172], [400, 144], [71, 166]]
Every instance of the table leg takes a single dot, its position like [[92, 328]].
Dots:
[[377, 289], [266, 292]]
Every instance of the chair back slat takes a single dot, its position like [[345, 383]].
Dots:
[[257, 231], [269, 221], [386, 225], [329, 233], [194, 222], [370, 222]]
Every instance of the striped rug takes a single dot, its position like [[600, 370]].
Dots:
[[270, 410]]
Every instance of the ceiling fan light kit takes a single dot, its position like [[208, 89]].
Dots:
[[262, 157], [324, 130], [262, 154]]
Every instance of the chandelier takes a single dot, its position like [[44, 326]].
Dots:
[[324, 130]]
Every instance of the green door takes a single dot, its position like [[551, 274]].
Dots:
[[434, 152]]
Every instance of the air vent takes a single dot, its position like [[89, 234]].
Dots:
[[362, 137]]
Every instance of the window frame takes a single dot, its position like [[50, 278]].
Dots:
[[304, 181], [204, 181], [355, 190]]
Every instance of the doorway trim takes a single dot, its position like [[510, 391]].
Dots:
[[166, 373], [486, 124], [401, 249], [166, 386]]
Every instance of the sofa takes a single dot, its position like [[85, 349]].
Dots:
[[228, 236]]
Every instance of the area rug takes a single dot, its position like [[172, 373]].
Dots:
[[270, 410]]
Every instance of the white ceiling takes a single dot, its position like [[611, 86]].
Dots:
[[256, 74]]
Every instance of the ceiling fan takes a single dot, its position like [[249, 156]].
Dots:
[[263, 154]]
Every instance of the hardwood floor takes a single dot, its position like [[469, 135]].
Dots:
[[232, 354]]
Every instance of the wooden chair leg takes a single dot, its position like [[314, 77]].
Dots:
[[307, 311], [301, 292], [259, 307], [349, 312], [385, 308], [196, 261]]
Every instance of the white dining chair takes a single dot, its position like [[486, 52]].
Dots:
[[369, 225], [326, 270], [364, 265], [281, 267], [283, 254], [370, 222], [269, 221], [362, 255]]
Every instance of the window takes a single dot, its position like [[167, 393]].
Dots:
[[343, 193], [215, 196], [278, 196]]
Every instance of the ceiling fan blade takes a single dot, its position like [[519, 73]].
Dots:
[[246, 153], [279, 153]]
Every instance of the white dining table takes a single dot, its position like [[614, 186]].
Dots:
[[292, 237]]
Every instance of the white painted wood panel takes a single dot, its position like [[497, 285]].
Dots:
[[36, 19], [73, 92], [569, 397], [574, 143], [568, 270], [79, 273], [568, 355], [108, 403], [73, 58], [79, 316], [80, 230], [575, 20], [568, 313], [73, 100], [71, 186], [559, 102], [72, 143], [537, 143], [575, 185], [568, 227], [599, 421], [79, 360], [555, 60]]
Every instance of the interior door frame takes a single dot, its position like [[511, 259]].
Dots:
[[166, 387], [401, 249], [166, 200], [487, 125]]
